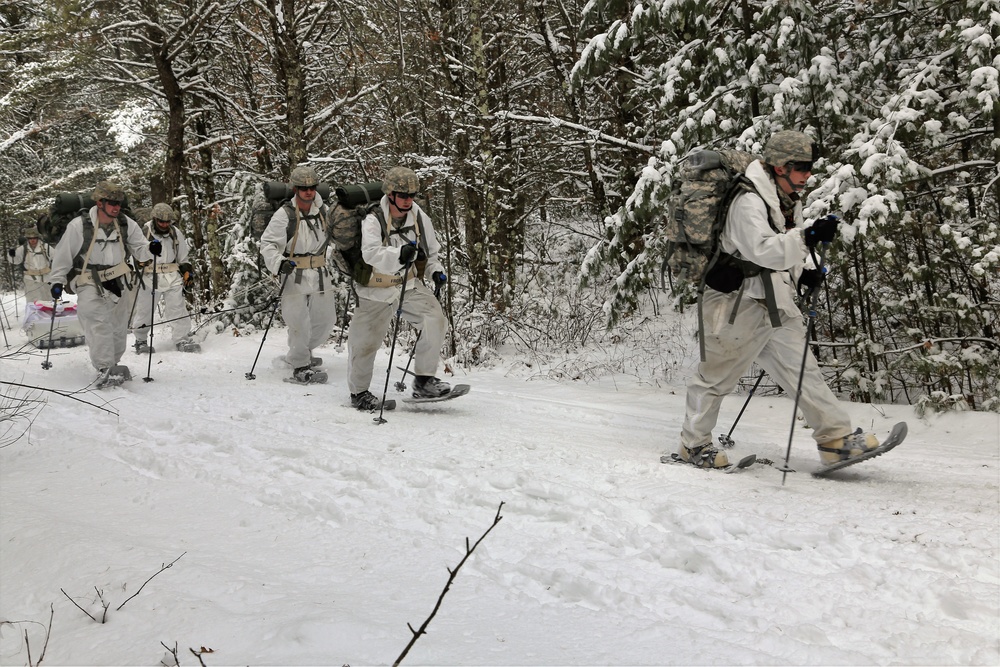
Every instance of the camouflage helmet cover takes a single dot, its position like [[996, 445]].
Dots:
[[31, 233], [400, 179], [109, 190], [162, 212], [303, 177], [790, 146]]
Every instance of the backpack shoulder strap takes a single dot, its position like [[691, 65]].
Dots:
[[376, 208], [123, 234], [421, 237], [293, 221]]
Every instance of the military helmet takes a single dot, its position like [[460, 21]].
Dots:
[[303, 177], [790, 146], [400, 179], [109, 190], [162, 212], [31, 233]]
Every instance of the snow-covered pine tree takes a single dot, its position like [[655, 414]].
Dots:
[[252, 289]]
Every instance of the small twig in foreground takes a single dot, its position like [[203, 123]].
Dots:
[[27, 644], [173, 652], [105, 605], [162, 568], [78, 606], [45, 645], [451, 578]]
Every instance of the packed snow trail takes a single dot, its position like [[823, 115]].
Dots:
[[313, 535]]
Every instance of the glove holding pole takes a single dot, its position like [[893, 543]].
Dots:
[[823, 230]]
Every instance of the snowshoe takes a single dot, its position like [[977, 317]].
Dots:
[[142, 347]]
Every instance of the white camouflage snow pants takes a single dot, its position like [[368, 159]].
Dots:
[[310, 318], [174, 310], [731, 348], [104, 319], [371, 321]]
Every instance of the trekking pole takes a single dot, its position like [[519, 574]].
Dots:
[[52, 325], [135, 299], [343, 323], [3, 309], [152, 315], [277, 300], [392, 348], [2, 327], [805, 353], [727, 440], [401, 385]]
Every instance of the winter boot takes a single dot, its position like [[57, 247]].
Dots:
[[706, 456], [308, 375], [365, 400], [142, 347], [843, 449], [426, 386], [188, 345]]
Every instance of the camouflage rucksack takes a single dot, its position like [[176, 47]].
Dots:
[[707, 182]]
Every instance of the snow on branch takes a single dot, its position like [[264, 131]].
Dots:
[[596, 134]]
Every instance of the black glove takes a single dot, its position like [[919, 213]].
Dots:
[[407, 253], [823, 230], [155, 247], [55, 289], [421, 255], [11, 252], [439, 278], [286, 266], [810, 280]]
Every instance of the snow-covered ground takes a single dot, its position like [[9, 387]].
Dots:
[[301, 532]]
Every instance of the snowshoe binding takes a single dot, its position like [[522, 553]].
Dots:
[[706, 456], [142, 347], [855, 448], [369, 402], [188, 345], [427, 394], [115, 376], [307, 375]]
